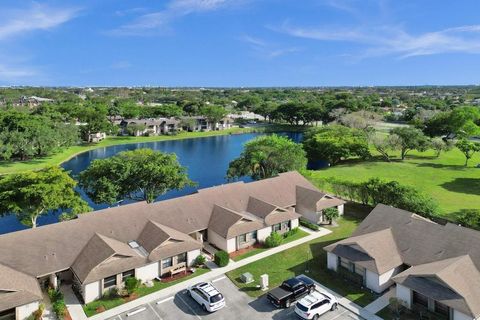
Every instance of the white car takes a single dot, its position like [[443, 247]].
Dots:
[[315, 304], [207, 296]]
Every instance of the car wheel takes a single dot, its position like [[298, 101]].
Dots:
[[316, 317], [288, 304], [334, 307]]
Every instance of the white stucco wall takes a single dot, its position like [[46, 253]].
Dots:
[[457, 315], [25, 311], [372, 281], [262, 234], [405, 295], [379, 283], [341, 209], [294, 223], [220, 242], [148, 272], [332, 261], [191, 256], [312, 216], [92, 291]]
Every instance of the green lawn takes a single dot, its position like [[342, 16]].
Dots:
[[300, 234], [90, 309], [445, 178], [308, 258], [59, 157]]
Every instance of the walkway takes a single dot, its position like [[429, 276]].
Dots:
[[382, 301], [76, 311], [48, 313]]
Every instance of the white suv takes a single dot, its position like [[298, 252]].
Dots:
[[315, 304], [207, 296]]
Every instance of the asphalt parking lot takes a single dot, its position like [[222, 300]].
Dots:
[[238, 306]]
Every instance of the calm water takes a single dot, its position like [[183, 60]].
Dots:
[[206, 160]]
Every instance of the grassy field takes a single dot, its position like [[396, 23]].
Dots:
[[308, 258], [445, 178], [56, 159], [92, 308]]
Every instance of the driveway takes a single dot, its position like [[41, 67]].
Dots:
[[239, 306]]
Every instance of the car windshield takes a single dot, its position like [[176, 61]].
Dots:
[[216, 298], [302, 307]]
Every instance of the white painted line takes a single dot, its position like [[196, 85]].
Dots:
[[218, 279], [120, 317], [165, 300], [155, 311], [136, 311], [188, 306], [338, 315]]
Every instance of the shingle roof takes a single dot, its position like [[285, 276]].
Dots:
[[454, 282], [17, 288], [270, 213], [228, 223], [315, 200]]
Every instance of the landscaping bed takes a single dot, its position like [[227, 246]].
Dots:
[[106, 303], [309, 259]]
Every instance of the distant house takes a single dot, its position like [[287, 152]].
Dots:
[[200, 123], [96, 137], [98, 251], [152, 126], [433, 267], [33, 101]]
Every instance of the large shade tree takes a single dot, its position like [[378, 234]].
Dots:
[[141, 175], [32, 194], [267, 156], [410, 139]]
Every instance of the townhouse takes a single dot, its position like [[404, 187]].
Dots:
[[433, 267], [98, 251]]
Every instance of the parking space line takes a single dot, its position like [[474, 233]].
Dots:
[[188, 306], [338, 315], [155, 311], [132, 313], [218, 279], [120, 317], [165, 300]]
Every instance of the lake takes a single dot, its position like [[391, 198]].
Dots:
[[206, 160]]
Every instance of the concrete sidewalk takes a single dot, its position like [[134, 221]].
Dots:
[[76, 311], [382, 302]]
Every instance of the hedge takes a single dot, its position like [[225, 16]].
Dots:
[[221, 258]]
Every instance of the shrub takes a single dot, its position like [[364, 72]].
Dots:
[[307, 224], [54, 295], [290, 233], [273, 240], [331, 214], [37, 314], [221, 258], [59, 308], [112, 293], [132, 284], [200, 260]]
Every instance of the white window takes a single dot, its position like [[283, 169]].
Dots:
[[166, 263]]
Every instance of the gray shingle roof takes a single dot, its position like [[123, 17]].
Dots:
[[17, 288]]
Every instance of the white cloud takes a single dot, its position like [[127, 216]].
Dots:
[[36, 17], [266, 49], [394, 40], [175, 9]]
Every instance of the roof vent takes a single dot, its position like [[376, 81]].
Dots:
[[133, 244]]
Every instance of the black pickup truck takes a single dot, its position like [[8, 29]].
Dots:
[[290, 291]]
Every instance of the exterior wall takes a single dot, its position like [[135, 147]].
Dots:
[[310, 215], [294, 223], [457, 315], [191, 256], [341, 209], [380, 283], [220, 242], [262, 234], [146, 273], [332, 261], [405, 295], [92, 291], [25, 311], [372, 281]]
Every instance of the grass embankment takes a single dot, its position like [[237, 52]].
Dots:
[[445, 179], [309, 259], [298, 235], [60, 157], [94, 307]]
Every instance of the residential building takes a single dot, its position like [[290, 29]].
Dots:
[[98, 251], [152, 126], [433, 267], [200, 123]]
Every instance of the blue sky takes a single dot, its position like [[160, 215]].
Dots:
[[239, 42]]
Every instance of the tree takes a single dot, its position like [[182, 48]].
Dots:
[[331, 214], [384, 145], [35, 193], [267, 156], [461, 121], [468, 148], [141, 175], [266, 110], [335, 143], [132, 284], [213, 113], [363, 120], [439, 145], [410, 139]]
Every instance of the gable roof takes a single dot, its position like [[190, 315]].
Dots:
[[376, 251], [315, 200], [17, 288], [270, 213], [459, 287], [228, 223], [95, 260]]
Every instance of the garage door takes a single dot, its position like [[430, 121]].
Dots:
[[7, 314]]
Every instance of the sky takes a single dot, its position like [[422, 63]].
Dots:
[[239, 43]]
